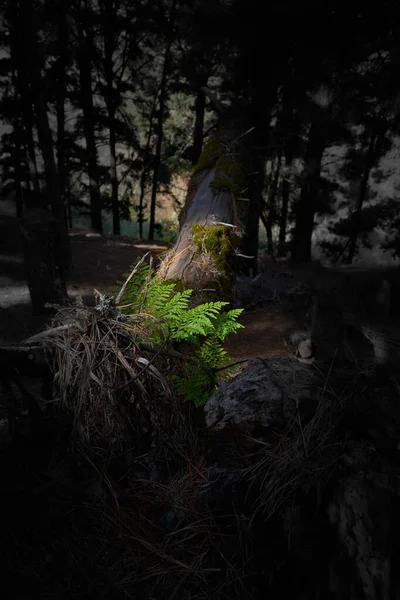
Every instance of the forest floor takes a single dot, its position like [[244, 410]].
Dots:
[[98, 263], [112, 528]]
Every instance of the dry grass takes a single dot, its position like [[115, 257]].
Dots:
[[112, 379], [303, 457], [102, 373], [175, 546], [163, 525]]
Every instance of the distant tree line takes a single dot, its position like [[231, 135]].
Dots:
[[104, 101]]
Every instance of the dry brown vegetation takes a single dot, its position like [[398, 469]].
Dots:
[[113, 487]]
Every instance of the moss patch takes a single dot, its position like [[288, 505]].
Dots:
[[218, 241], [228, 176], [209, 156]]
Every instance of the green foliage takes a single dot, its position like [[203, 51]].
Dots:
[[217, 240], [229, 175], [209, 156], [167, 316], [196, 387]]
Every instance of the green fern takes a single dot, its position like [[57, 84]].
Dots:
[[195, 321], [136, 284], [226, 322], [174, 307], [196, 387], [212, 353], [204, 326]]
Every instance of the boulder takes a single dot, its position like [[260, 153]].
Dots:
[[265, 395]]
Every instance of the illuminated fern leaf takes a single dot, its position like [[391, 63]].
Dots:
[[226, 323], [175, 305], [197, 320], [212, 353], [157, 294], [204, 327]]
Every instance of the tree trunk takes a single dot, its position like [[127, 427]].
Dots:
[[114, 179], [19, 195], [29, 127], [145, 169], [61, 247], [40, 237], [45, 235], [282, 248], [18, 156], [249, 246], [369, 162], [68, 201], [307, 205], [160, 123], [272, 205], [111, 101], [60, 98], [284, 215], [20, 36], [86, 95], [205, 254], [207, 208], [198, 132]]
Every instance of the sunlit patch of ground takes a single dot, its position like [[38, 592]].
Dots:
[[265, 334], [98, 263]]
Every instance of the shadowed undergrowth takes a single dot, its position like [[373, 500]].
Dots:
[[115, 488]]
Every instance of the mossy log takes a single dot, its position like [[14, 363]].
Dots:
[[212, 220]]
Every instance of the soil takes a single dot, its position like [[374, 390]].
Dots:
[[99, 262]]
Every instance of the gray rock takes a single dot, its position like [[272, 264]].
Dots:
[[305, 349], [264, 395]]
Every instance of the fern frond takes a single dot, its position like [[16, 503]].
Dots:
[[175, 305], [226, 323], [212, 353], [196, 387], [197, 320], [160, 313], [157, 294], [135, 286]]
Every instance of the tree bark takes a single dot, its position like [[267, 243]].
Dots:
[[18, 155], [19, 195], [86, 94], [307, 205], [111, 104], [60, 97], [45, 235], [200, 107], [160, 123], [68, 201], [40, 236], [206, 207], [29, 127], [215, 210], [282, 251], [145, 169], [20, 36], [114, 179], [272, 204], [369, 162], [250, 241], [283, 217], [61, 247]]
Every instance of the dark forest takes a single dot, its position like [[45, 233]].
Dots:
[[199, 305]]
